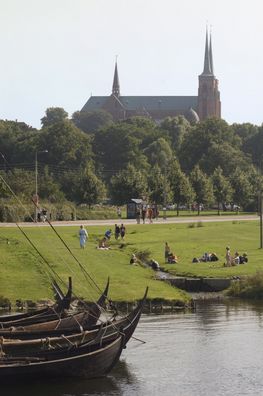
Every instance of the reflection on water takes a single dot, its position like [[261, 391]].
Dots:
[[217, 350]]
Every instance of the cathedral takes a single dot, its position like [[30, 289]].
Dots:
[[194, 108]]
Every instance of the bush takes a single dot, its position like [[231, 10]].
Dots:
[[248, 287], [4, 302]]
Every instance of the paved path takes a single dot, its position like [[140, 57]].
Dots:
[[111, 222]]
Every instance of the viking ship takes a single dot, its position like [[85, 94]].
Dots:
[[84, 361], [50, 342]]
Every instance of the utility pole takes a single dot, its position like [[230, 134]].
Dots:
[[164, 193], [36, 198], [260, 219]]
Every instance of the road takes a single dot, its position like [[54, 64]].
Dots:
[[111, 222]]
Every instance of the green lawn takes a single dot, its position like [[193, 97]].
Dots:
[[23, 275]]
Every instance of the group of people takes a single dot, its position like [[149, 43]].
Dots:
[[236, 259], [205, 258], [119, 232], [144, 212]]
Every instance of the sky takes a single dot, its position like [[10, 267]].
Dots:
[[56, 53]]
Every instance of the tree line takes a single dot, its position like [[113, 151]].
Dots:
[[89, 158]]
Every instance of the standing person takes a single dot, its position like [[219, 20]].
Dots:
[[83, 236], [119, 212], [167, 251], [138, 215], [117, 232], [150, 214], [228, 257], [144, 211], [123, 231]]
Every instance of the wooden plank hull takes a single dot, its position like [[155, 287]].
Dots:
[[41, 345], [51, 318], [80, 363]]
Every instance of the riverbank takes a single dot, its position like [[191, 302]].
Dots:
[[23, 275]]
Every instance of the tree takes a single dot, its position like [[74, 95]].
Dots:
[[48, 188], [158, 186], [159, 152], [176, 127], [202, 187], [242, 188], [91, 121], [67, 146], [198, 142], [221, 187], [54, 115], [180, 186], [128, 183], [21, 183], [117, 146], [83, 186]]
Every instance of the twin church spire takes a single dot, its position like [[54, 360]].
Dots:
[[208, 99], [208, 61]]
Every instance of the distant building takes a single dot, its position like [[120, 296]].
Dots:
[[194, 108]]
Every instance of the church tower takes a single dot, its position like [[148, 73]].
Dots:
[[209, 104]]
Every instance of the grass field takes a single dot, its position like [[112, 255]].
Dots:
[[23, 275]]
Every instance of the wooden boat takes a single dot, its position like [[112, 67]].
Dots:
[[26, 344], [63, 303], [85, 361], [53, 318]]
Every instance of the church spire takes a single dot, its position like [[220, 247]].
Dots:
[[208, 52], [211, 55], [116, 84]]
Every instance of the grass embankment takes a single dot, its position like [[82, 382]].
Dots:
[[24, 276]]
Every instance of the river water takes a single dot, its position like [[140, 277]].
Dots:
[[215, 351]]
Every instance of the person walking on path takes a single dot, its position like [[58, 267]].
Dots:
[[83, 236], [150, 215]]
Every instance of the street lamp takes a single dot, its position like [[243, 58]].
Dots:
[[36, 181]]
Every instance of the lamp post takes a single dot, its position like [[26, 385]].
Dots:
[[36, 181]]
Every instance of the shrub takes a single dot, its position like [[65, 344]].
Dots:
[[248, 287], [4, 302]]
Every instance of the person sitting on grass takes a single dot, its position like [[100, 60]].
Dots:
[[133, 259], [155, 265], [103, 244], [108, 234], [243, 259], [172, 258]]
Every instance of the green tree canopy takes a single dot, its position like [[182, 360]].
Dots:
[[83, 187], [202, 187], [53, 115], [159, 152], [67, 146], [176, 128], [127, 184], [158, 186], [91, 121], [221, 187], [181, 188], [242, 188], [198, 142]]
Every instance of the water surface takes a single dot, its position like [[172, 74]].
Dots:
[[217, 350]]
